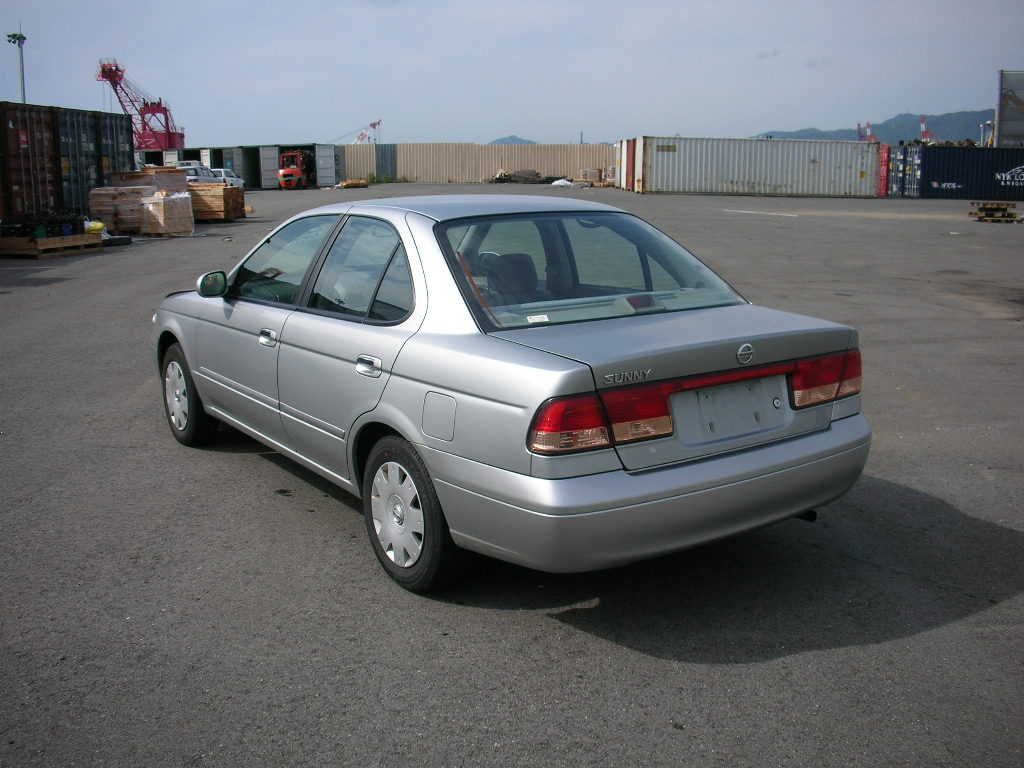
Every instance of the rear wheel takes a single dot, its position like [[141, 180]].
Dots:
[[404, 520], [189, 423]]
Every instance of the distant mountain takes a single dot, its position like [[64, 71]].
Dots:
[[952, 126], [513, 139]]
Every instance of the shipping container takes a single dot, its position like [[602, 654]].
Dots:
[[50, 157], [975, 173], [757, 167], [326, 166], [1009, 127]]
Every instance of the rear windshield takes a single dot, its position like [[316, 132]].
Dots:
[[549, 268]]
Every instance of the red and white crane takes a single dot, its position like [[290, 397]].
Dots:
[[152, 121]]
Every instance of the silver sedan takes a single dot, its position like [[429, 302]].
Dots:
[[548, 381]]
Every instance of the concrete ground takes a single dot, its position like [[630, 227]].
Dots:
[[167, 606]]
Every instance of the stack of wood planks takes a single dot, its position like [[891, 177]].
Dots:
[[120, 208], [161, 177], [217, 202]]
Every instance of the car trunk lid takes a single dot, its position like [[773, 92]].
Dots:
[[706, 420]]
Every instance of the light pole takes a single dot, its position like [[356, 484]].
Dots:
[[18, 39]]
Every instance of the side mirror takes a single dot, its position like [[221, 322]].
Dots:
[[212, 284]]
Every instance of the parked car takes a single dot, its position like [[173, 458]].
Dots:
[[229, 177], [547, 381], [200, 174], [187, 163]]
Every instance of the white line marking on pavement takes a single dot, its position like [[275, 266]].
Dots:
[[762, 213]]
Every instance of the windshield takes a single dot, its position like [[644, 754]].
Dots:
[[550, 268]]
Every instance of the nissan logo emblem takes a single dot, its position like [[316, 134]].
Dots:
[[745, 354]]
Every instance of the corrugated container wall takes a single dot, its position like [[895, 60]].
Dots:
[[116, 145], [386, 161], [79, 158], [974, 173], [546, 159], [757, 167], [360, 161], [439, 163]]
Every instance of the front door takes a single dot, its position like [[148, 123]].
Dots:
[[237, 344]]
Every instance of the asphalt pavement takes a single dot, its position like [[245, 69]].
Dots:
[[165, 606]]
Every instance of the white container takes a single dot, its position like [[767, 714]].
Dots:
[[782, 167]]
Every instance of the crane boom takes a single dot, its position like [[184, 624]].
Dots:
[[152, 121]]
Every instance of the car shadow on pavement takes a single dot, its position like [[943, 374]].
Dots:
[[885, 562]]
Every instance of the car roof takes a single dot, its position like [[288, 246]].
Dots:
[[446, 207]]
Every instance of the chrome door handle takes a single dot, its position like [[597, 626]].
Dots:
[[368, 366], [267, 337]]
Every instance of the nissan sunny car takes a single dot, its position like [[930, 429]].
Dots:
[[543, 380]]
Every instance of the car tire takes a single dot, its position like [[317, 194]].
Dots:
[[188, 420], [404, 521]]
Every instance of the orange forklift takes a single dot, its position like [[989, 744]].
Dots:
[[296, 170]]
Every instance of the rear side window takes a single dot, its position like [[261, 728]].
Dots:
[[275, 270], [365, 267]]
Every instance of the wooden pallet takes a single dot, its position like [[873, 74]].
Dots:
[[993, 212], [49, 247]]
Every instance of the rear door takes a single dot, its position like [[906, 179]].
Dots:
[[237, 344], [270, 158], [325, 168], [337, 352]]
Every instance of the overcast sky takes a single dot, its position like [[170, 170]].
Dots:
[[457, 70]]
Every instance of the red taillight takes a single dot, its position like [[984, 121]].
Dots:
[[822, 379], [644, 411], [638, 413], [569, 424]]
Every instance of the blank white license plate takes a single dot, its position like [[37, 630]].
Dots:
[[734, 410]]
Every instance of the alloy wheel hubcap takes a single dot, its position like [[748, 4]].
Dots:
[[397, 514], [176, 395]]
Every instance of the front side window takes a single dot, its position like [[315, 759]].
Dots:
[[276, 269], [353, 270], [549, 268]]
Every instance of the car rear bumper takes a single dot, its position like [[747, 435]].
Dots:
[[612, 518]]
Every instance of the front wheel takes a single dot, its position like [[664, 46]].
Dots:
[[189, 423], [403, 517]]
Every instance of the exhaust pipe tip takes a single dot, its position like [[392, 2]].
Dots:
[[811, 515]]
